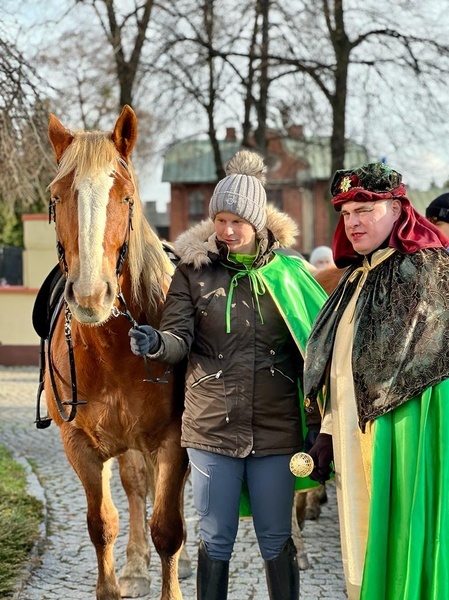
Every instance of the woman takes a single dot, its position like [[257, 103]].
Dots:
[[240, 306]]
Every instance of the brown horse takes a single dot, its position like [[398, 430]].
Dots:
[[102, 397]]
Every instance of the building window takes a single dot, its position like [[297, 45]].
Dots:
[[196, 206], [275, 197]]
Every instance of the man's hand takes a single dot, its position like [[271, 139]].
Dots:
[[144, 340], [322, 453]]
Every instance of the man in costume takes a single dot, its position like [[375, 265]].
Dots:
[[379, 354]]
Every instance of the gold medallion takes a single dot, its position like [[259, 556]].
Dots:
[[301, 464]]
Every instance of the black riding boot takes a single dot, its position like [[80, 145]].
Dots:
[[283, 574], [211, 577]]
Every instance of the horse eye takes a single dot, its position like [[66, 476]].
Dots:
[[55, 199], [128, 200]]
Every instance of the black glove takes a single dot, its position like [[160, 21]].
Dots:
[[311, 436], [144, 340], [322, 453]]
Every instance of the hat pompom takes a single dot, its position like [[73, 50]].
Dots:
[[246, 162]]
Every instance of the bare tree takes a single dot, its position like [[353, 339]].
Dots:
[[332, 51], [25, 162], [192, 73], [341, 68], [365, 57], [216, 53], [126, 32]]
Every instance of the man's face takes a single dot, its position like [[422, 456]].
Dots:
[[368, 224]]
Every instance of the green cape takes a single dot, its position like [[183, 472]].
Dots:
[[407, 554], [298, 298]]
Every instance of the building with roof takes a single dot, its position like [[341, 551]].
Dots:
[[299, 171]]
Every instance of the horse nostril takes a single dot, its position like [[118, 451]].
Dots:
[[69, 294], [110, 291]]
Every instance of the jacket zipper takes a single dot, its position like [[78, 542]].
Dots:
[[273, 370], [216, 375]]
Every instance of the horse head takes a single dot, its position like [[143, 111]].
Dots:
[[92, 199]]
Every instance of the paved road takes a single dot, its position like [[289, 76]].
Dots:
[[66, 567]]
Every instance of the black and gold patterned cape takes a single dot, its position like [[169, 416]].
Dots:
[[401, 332]]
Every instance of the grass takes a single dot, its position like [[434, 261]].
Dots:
[[20, 516]]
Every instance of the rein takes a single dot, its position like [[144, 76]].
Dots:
[[116, 312]]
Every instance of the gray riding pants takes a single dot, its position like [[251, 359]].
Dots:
[[217, 483]]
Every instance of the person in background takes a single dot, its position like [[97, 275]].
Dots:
[[240, 308], [438, 213], [321, 257], [379, 350]]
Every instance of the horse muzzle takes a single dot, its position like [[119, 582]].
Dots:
[[92, 306]]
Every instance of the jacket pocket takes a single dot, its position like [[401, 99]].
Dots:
[[200, 485], [205, 378]]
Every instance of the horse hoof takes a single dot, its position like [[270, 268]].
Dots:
[[133, 587], [303, 562], [313, 512], [184, 569]]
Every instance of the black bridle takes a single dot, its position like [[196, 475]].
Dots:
[[42, 423]]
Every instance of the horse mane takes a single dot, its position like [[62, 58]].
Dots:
[[92, 153]]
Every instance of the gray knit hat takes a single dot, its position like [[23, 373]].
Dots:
[[242, 191]]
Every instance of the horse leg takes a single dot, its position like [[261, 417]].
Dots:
[[298, 517], [102, 516], [135, 579], [315, 498], [184, 561], [167, 521]]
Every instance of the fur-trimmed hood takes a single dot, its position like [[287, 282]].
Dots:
[[193, 246]]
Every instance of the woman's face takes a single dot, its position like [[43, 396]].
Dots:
[[239, 235]]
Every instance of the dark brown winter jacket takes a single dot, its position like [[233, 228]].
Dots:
[[241, 393]]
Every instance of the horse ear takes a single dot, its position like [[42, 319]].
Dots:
[[125, 131], [60, 137]]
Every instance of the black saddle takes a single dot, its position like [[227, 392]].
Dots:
[[47, 302]]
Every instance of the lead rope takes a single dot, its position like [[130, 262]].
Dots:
[[116, 312]]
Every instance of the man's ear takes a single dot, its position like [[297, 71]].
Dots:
[[396, 207]]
